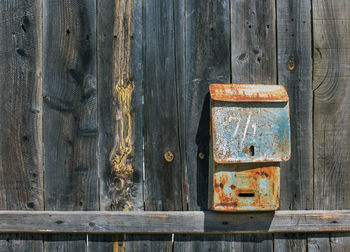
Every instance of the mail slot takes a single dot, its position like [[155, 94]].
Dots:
[[250, 136]]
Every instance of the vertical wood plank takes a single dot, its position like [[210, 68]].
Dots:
[[21, 242], [331, 20], [295, 73], [253, 41], [290, 242], [69, 242], [331, 104], [164, 171], [253, 60], [184, 243], [207, 54], [70, 119], [207, 61], [120, 122], [21, 172], [318, 242], [248, 242], [120, 151], [21, 182], [70, 125]]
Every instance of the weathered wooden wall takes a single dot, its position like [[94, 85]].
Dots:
[[94, 94]]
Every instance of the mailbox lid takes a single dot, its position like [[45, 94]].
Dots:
[[251, 129]]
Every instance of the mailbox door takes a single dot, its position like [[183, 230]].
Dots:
[[246, 130]]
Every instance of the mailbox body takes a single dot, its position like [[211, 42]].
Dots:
[[250, 136]]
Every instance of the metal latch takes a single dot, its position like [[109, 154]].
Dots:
[[250, 135]]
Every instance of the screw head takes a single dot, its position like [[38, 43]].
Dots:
[[169, 156]]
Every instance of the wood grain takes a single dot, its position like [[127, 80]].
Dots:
[[253, 42], [185, 222], [70, 118], [21, 173], [21, 242], [70, 125], [331, 103], [164, 177], [21, 176], [295, 72], [290, 242], [331, 110], [253, 60], [207, 57], [120, 150]]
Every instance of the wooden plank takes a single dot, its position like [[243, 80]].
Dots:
[[340, 242], [253, 42], [21, 183], [120, 150], [249, 242], [290, 242], [65, 243], [123, 242], [178, 222], [253, 60], [295, 72], [331, 102], [164, 183], [21, 173], [21, 242], [70, 118], [70, 129], [207, 61], [331, 113], [184, 243], [318, 242]]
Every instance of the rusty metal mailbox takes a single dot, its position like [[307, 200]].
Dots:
[[250, 136]]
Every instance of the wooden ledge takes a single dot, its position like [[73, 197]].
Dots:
[[173, 222]]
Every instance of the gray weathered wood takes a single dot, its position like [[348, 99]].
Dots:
[[290, 242], [120, 150], [21, 182], [318, 243], [21, 174], [331, 108], [331, 104], [295, 72], [69, 93], [207, 61], [21, 242], [253, 41], [54, 242], [70, 118], [164, 183], [249, 242], [173, 222], [253, 60], [184, 243]]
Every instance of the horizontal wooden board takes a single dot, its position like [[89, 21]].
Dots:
[[173, 222]]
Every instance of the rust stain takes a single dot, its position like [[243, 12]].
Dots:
[[118, 246], [248, 93], [254, 188], [121, 154]]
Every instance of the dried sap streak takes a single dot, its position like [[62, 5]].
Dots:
[[121, 180]]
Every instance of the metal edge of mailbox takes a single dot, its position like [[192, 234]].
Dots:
[[248, 93]]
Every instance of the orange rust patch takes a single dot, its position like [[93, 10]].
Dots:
[[248, 93]]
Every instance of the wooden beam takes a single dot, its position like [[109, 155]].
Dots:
[[173, 222]]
